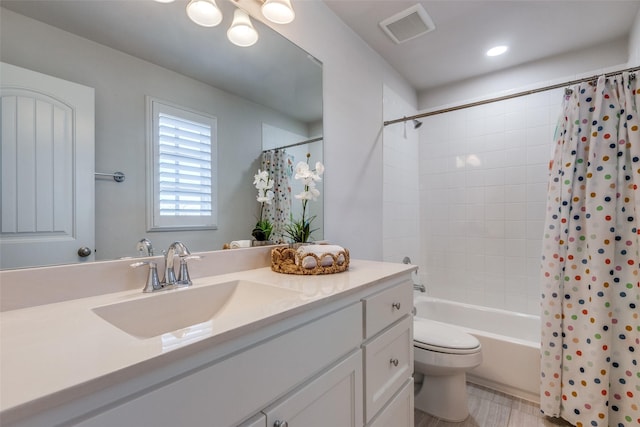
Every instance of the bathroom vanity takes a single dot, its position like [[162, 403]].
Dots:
[[280, 350]]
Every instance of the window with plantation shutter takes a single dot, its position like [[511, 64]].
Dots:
[[183, 168]]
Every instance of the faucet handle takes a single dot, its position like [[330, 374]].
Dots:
[[153, 283], [183, 273]]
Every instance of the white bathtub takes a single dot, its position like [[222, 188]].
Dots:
[[510, 343]]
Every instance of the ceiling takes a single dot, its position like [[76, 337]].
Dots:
[[466, 29], [454, 51]]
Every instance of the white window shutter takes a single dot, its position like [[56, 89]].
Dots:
[[183, 146]]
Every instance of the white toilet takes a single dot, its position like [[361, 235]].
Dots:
[[442, 356]]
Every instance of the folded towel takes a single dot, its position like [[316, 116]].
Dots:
[[235, 244], [322, 252]]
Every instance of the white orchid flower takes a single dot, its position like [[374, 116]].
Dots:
[[260, 177], [314, 193], [266, 197], [311, 194], [262, 181], [302, 171]]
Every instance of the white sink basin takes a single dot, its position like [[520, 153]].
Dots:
[[225, 305]]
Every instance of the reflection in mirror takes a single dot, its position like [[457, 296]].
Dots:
[[146, 48], [282, 151]]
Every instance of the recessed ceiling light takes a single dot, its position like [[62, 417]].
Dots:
[[497, 50]]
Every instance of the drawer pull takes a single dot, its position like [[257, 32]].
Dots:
[[396, 305], [281, 424], [394, 362]]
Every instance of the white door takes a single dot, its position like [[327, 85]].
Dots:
[[47, 169]]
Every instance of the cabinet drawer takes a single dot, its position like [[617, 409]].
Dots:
[[388, 364], [384, 308], [399, 412]]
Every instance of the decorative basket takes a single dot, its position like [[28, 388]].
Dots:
[[289, 261]]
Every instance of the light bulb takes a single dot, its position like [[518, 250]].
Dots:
[[204, 12], [278, 11], [497, 50], [241, 33]]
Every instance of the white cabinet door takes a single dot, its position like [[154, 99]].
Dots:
[[47, 169], [399, 412], [333, 399]]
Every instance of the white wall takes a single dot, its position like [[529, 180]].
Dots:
[[401, 217], [483, 174], [634, 43]]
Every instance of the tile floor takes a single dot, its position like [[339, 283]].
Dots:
[[488, 408]]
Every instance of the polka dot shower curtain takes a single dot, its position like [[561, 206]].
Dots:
[[280, 167], [590, 264]]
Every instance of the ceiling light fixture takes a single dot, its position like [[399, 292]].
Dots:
[[278, 11], [204, 12], [241, 33], [497, 50]]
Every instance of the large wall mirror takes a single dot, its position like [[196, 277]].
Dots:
[[132, 49]]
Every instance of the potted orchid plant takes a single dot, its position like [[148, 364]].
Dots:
[[264, 185], [300, 230]]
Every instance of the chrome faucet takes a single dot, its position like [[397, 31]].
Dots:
[[176, 248], [169, 281], [145, 248]]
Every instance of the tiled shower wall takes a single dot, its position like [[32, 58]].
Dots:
[[482, 180]]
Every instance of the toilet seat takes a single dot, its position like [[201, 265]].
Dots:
[[440, 337]]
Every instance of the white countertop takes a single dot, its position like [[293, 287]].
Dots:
[[47, 351]]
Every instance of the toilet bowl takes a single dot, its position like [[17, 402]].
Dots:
[[442, 356]]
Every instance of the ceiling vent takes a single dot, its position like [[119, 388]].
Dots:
[[408, 24]]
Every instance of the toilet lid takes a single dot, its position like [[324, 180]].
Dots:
[[434, 335]]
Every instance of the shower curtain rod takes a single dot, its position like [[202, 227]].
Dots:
[[308, 141], [505, 97]]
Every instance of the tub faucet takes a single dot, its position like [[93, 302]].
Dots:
[[416, 286], [176, 248]]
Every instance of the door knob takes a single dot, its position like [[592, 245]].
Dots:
[[84, 252]]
